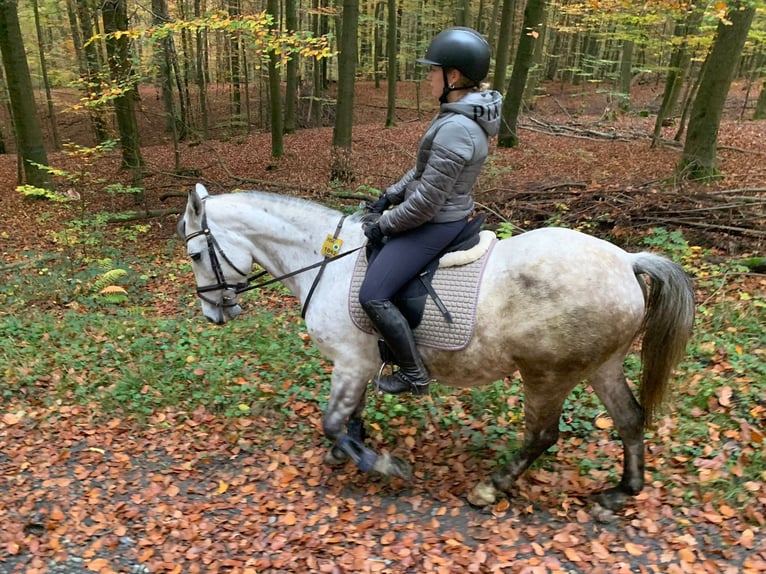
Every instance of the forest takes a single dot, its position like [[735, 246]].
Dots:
[[137, 437]]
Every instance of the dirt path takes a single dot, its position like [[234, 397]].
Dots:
[[198, 494]]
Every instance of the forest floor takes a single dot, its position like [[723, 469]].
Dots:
[[262, 508]]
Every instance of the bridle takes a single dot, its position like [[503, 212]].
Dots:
[[230, 291]]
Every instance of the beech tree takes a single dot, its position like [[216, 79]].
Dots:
[[25, 119], [115, 16], [699, 155], [534, 17], [341, 135]]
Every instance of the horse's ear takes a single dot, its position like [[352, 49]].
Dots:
[[196, 197]]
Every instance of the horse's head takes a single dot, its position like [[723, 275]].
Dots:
[[220, 262]]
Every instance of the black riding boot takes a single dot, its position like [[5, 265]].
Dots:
[[412, 375]]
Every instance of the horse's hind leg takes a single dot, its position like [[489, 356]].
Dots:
[[628, 416], [544, 396]]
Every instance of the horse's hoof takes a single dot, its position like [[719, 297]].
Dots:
[[613, 499], [388, 465], [335, 457], [483, 494]]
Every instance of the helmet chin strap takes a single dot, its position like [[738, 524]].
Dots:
[[444, 98]]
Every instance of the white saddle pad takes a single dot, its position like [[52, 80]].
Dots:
[[457, 287]]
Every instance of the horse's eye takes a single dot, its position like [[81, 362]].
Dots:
[[195, 256]]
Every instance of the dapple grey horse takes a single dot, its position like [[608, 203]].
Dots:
[[557, 305]]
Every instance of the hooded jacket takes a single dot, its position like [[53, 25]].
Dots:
[[450, 156]]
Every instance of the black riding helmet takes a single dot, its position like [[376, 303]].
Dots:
[[461, 48]]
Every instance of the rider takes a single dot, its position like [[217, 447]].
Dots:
[[432, 202]]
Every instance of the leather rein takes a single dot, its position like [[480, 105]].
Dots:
[[231, 291]]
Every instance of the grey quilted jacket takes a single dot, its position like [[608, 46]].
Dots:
[[450, 156]]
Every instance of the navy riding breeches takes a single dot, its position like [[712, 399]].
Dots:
[[403, 256]]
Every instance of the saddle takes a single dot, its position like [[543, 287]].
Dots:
[[441, 299], [411, 299]]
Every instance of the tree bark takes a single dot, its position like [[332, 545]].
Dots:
[[275, 92], [503, 51], [391, 73], [699, 155], [291, 86], [342, 169], [115, 16], [46, 81], [92, 79], [25, 120], [760, 106], [534, 19], [680, 60]]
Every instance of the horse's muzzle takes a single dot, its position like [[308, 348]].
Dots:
[[219, 315]]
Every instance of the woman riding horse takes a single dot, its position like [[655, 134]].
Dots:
[[432, 201]]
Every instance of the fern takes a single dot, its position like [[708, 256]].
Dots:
[[105, 288]]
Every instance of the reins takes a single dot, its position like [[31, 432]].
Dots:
[[214, 249]]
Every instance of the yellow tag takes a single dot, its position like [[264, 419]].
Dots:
[[331, 246]]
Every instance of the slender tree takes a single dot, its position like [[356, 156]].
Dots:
[[760, 106], [115, 16], [391, 74], [201, 70], [291, 72], [28, 132], [46, 80], [699, 155], [534, 19], [680, 61], [275, 92], [503, 50], [344, 119]]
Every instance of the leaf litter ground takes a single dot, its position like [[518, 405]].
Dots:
[[199, 492]]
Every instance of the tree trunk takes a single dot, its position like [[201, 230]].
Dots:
[[377, 42], [201, 76], [699, 155], [342, 169], [25, 120], [92, 79], [234, 63], [115, 16], [534, 19], [535, 71], [680, 60], [626, 74], [503, 51], [760, 107], [46, 81], [291, 87], [318, 69], [275, 92], [391, 73]]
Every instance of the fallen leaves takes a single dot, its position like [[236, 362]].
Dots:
[[182, 496]]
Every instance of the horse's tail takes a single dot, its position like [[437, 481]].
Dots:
[[667, 326]]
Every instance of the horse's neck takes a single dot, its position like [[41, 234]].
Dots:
[[286, 235]]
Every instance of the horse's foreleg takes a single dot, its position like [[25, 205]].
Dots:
[[628, 416], [355, 430], [543, 400], [344, 409]]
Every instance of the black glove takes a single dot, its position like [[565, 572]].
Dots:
[[374, 233], [379, 206]]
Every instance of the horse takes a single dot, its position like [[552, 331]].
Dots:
[[558, 306]]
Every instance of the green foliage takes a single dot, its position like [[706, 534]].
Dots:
[[505, 230], [34, 192]]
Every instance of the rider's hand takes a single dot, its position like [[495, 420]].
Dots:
[[374, 233], [379, 206]]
